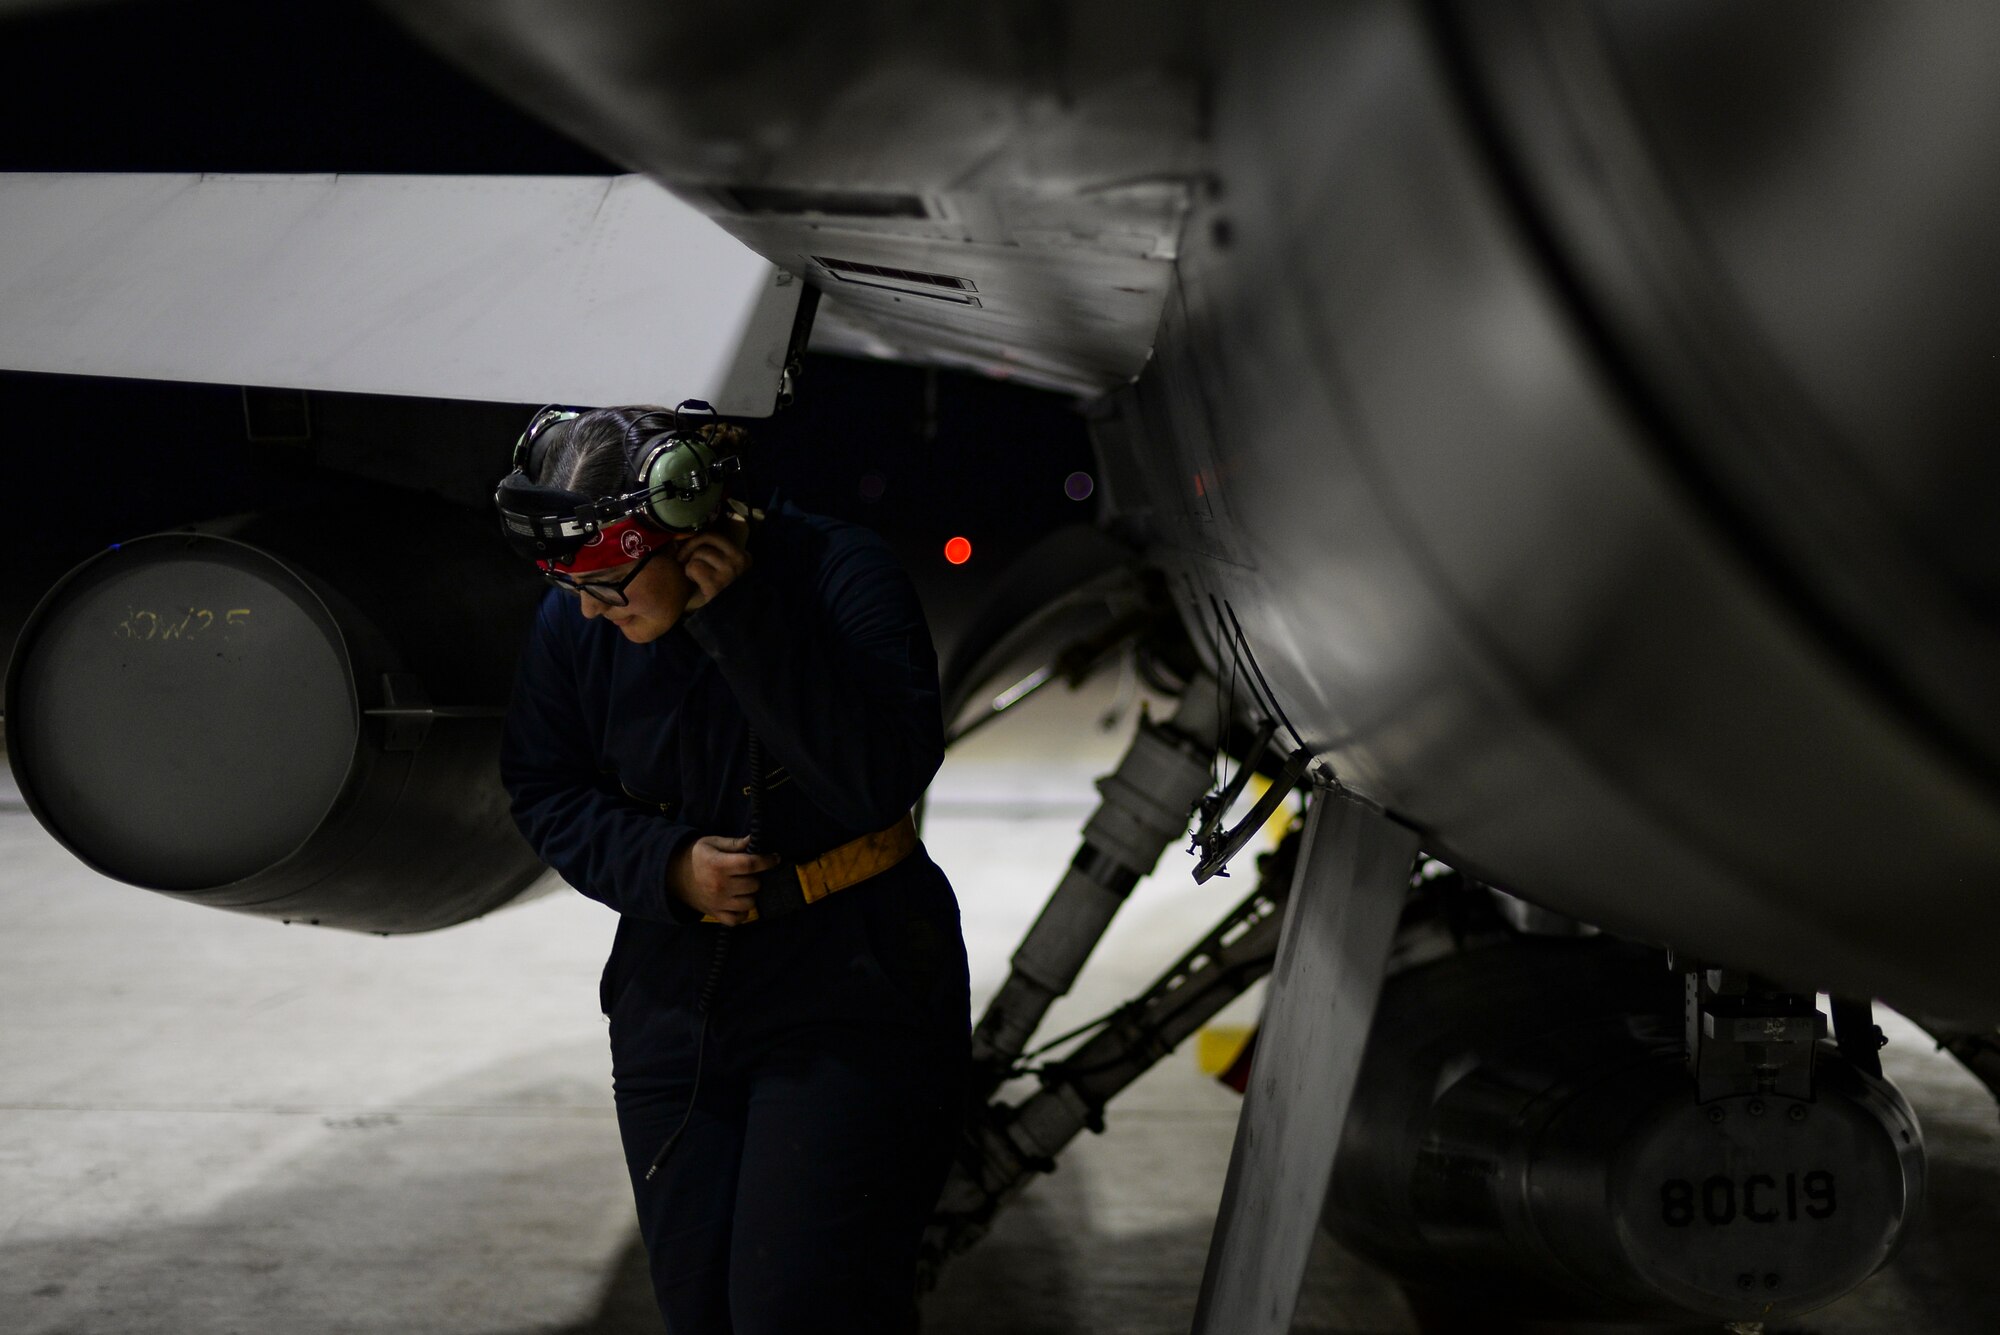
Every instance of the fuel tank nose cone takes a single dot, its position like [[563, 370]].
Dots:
[[181, 712], [1776, 1206]]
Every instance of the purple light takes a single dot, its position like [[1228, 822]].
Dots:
[[872, 486], [1078, 486]]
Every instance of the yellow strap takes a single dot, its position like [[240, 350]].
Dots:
[[857, 860], [853, 862]]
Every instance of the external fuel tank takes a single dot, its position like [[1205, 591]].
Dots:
[[1526, 1136], [199, 716]]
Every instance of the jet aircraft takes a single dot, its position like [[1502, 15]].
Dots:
[[1555, 435]]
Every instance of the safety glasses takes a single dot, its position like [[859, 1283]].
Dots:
[[607, 591]]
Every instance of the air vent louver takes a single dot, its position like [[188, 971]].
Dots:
[[833, 203], [913, 282]]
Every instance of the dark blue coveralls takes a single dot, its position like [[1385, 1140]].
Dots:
[[834, 1063]]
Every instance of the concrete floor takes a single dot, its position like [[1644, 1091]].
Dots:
[[217, 1124]]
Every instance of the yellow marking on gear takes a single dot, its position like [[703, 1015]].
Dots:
[[1280, 819], [1217, 1047]]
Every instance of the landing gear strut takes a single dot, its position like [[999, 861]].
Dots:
[[1008, 1144]]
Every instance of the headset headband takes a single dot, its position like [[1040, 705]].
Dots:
[[527, 459], [679, 471]]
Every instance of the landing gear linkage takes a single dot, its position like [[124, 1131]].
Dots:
[[1008, 1144]]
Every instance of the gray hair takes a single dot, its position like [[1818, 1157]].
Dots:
[[592, 454]]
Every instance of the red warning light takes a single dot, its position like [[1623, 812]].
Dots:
[[958, 551]]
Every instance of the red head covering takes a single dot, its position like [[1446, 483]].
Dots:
[[613, 545]]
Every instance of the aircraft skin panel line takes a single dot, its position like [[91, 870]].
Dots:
[[1340, 922], [1042, 163], [504, 289]]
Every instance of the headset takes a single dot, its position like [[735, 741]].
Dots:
[[676, 462]]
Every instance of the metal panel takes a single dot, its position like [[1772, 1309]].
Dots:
[[570, 289], [1339, 923], [1477, 581], [1048, 160]]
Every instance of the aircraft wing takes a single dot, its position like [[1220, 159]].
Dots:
[[557, 289]]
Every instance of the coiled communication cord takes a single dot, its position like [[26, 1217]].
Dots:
[[718, 953]]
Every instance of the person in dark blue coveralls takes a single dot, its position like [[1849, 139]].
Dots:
[[721, 722]]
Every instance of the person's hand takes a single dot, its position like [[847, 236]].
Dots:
[[715, 875], [712, 561]]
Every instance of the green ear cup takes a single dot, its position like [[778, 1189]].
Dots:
[[683, 488]]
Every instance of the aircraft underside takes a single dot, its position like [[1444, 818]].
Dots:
[[1553, 438]]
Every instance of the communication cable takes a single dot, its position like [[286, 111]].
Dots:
[[718, 955]]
